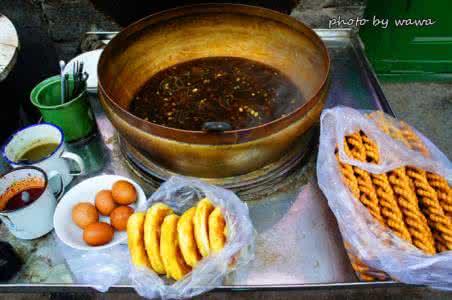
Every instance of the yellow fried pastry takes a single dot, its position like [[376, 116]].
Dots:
[[203, 210], [135, 236], [154, 218], [226, 231], [217, 226], [186, 238], [169, 249]]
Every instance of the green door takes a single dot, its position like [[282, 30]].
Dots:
[[410, 48]]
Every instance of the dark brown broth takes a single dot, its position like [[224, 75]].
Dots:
[[241, 92]]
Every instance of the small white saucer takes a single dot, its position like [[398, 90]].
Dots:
[[86, 191]]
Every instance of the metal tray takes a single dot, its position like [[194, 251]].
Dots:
[[298, 244]]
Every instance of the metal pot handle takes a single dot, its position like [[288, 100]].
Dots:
[[216, 126]]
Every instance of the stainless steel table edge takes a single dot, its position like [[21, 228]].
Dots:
[[83, 288]]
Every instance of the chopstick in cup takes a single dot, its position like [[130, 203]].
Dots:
[[80, 77], [62, 65], [66, 86], [74, 78]]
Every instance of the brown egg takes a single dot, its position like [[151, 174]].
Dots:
[[119, 217], [124, 192], [97, 234], [104, 202], [84, 213]]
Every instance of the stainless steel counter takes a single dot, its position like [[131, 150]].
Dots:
[[298, 243]]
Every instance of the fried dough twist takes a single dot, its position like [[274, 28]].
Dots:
[[385, 125], [403, 187], [397, 192], [414, 219], [413, 139], [349, 177], [440, 244], [430, 205], [352, 183], [363, 271], [438, 183], [355, 185], [443, 191], [368, 196], [389, 208]]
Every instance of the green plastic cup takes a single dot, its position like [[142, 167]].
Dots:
[[74, 116]]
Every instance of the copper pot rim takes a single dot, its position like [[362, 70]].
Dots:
[[232, 135]]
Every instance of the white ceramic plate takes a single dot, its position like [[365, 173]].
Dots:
[[86, 191], [90, 60]]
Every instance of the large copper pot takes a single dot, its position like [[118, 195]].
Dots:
[[187, 33]]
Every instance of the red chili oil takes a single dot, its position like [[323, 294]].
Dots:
[[24, 198]]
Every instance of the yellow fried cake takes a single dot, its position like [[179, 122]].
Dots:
[[217, 226], [135, 235], [186, 238], [200, 220], [169, 249], [154, 218]]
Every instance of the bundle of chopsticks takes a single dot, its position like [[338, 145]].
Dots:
[[79, 78]]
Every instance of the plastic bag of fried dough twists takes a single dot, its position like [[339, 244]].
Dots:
[[406, 160], [180, 194]]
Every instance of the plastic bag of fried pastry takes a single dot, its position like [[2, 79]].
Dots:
[[389, 188], [187, 238]]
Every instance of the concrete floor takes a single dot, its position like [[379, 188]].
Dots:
[[425, 105], [428, 107]]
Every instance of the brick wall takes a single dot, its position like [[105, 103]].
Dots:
[[317, 13], [68, 20], [65, 21]]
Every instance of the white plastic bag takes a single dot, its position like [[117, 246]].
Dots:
[[181, 193], [98, 268], [374, 244]]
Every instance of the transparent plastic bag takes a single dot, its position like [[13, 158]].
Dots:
[[98, 268], [371, 242], [181, 193]]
